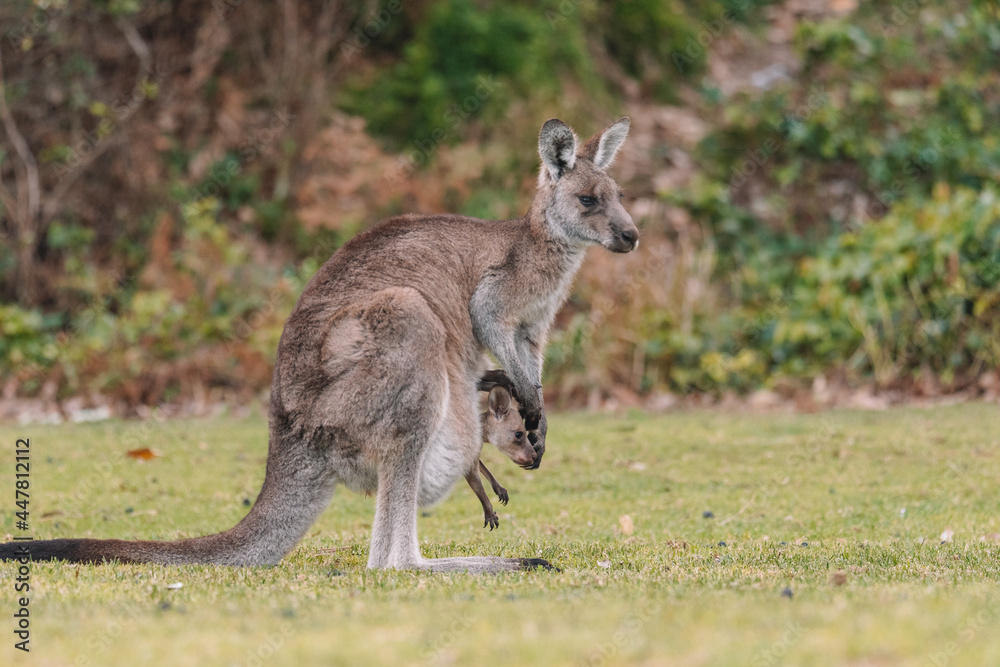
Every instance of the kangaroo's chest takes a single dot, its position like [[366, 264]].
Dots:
[[548, 292]]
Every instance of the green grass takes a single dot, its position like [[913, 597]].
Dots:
[[666, 594]]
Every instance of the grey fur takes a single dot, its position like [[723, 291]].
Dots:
[[375, 380], [557, 147]]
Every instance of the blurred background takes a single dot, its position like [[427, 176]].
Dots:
[[815, 182]]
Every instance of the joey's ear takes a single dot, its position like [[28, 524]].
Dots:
[[499, 402], [609, 143], [557, 147]]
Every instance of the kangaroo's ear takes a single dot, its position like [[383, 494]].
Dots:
[[557, 147], [609, 143], [499, 402]]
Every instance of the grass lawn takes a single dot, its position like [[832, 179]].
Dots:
[[699, 538]]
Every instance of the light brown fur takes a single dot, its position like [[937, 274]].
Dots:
[[375, 381], [503, 428]]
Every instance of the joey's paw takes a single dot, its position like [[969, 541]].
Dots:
[[537, 564], [492, 520], [502, 495]]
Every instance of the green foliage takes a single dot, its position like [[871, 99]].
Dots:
[[887, 104], [845, 219], [919, 290], [26, 339], [447, 73], [916, 292], [465, 60], [207, 295], [658, 42], [648, 33], [851, 212]]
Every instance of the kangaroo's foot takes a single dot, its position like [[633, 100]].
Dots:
[[484, 564]]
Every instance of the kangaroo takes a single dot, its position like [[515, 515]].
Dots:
[[504, 429], [375, 378]]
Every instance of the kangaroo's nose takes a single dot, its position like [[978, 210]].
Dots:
[[630, 236]]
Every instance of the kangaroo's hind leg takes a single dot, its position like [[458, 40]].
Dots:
[[407, 403]]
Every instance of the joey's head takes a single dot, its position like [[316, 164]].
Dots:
[[503, 428], [581, 203]]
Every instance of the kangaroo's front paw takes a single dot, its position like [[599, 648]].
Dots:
[[492, 520], [498, 378], [537, 440], [502, 495]]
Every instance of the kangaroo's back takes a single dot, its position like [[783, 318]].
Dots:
[[375, 380]]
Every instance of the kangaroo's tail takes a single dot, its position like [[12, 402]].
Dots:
[[289, 502]]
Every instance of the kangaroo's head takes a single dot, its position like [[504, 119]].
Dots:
[[503, 428], [582, 204]]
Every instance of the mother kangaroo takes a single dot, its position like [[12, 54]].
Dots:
[[375, 383]]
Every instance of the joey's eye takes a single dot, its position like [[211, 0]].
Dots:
[[621, 194], [519, 435], [588, 201]]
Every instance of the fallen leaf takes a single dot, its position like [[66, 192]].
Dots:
[[838, 578], [604, 563], [174, 586], [625, 523], [144, 454], [947, 535]]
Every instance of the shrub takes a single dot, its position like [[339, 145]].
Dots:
[[916, 292], [887, 104], [534, 50]]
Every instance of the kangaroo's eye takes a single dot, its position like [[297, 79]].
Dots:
[[588, 201], [519, 435], [620, 194]]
